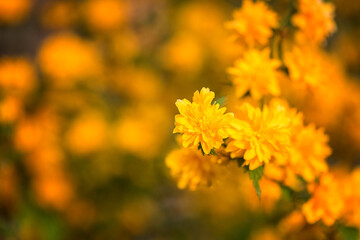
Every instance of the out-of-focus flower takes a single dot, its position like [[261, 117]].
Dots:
[[257, 73], [53, 190], [191, 168], [326, 105], [14, 11], [259, 136], [252, 24], [291, 223], [87, 133], [201, 121], [105, 15], [66, 58], [183, 53], [315, 20], [265, 234], [33, 132], [10, 109], [309, 153], [59, 14], [306, 67], [326, 203], [191, 18], [139, 84], [17, 76], [142, 130], [350, 187], [45, 160], [270, 194], [274, 172]]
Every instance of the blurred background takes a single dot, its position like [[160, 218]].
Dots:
[[87, 93]]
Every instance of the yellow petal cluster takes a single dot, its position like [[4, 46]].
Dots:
[[326, 203], [315, 20], [191, 168], [309, 153], [256, 72], [259, 135], [252, 24], [201, 121], [306, 67]]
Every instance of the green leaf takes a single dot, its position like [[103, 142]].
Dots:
[[221, 101], [240, 162], [255, 176], [200, 148], [286, 192], [349, 233], [212, 152]]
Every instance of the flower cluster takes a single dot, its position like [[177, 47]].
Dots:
[[269, 139]]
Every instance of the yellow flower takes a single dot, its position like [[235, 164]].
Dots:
[[14, 11], [10, 109], [17, 76], [309, 153], [257, 73], [33, 132], [294, 118], [326, 202], [191, 168], [306, 67], [292, 223], [259, 136], [201, 121], [252, 24], [53, 190], [183, 53], [315, 20], [87, 133], [103, 15], [142, 130], [66, 58]]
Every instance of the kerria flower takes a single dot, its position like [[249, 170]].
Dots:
[[259, 136], [315, 20], [326, 203], [252, 24], [309, 152], [191, 167], [307, 67], [202, 122], [256, 72]]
